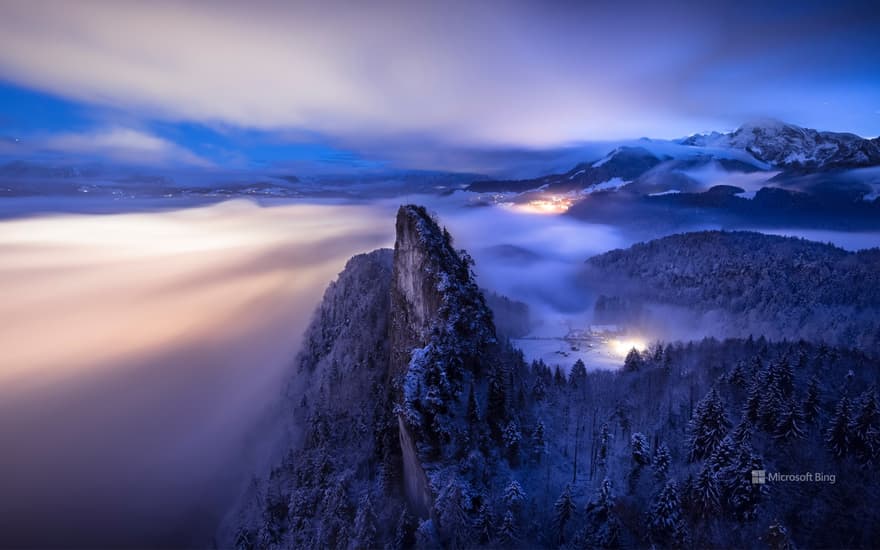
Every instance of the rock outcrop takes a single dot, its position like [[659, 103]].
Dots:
[[377, 396], [439, 327]]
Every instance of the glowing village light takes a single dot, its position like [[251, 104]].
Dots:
[[622, 347], [550, 205]]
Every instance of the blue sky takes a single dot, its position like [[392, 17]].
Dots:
[[338, 85]]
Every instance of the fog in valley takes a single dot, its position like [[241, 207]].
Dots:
[[145, 354], [143, 358]]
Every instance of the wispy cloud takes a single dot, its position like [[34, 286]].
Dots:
[[495, 73], [124, 145]]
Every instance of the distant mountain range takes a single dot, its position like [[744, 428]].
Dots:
[[786, 145], [654, 166]]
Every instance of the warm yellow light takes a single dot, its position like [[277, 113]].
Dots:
[[550, 205], [623, 347]]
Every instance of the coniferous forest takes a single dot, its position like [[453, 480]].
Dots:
[[505, 453]]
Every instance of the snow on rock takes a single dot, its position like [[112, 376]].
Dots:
[[787, 145]]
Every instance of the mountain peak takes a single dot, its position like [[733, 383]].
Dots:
[[765, 123], [787, 145]]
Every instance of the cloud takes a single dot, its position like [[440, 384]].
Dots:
[[508, 73], [123, 144]]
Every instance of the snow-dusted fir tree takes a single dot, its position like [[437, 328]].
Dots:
[[514, 496], [865, 429], [634, 361], [539, 443], [641, 457], [563, 509], [708, 426], [485, 526], [602, 528], [661, 462], [790, 425], [507, 533], [705, 496], [454, 525], [512, 438], [578, 376], [811, 403], [604, 443], [837, 437], [743, 432], [641, 453], [739, 496], [665, 523]]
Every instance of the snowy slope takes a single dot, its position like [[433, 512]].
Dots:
[[787, 145]]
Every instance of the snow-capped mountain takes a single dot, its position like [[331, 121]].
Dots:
[[789, 146], [619, 166], [649, 166]]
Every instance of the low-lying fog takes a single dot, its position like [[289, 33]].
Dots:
[[144, 354], [140, 355]]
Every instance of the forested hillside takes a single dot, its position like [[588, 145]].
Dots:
[[515, 455], [753, 283]]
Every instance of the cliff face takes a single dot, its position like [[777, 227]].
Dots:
[[439, 326], [415, 299], [377, 398]]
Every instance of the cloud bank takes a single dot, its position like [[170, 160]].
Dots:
[[490, 73], [125, 145]]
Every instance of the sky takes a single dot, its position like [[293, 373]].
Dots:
[[451, 85]]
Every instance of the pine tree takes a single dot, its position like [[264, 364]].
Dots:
[[837, 437], [640, 451], [783, 374], [538, 389], [657, 354], [507, 533], [791, 422], [563, 509], [604, 442], [740, 496], [865, 429], [512, 439], [634, 361], [705, 495], [725, 454], [485, 526], [743, 432], [539, 443], [558, 377], [578, 376], [811, 403], [514, 496], [453, 520], [662, 460], [753, 402], [708, 426], [664, 519], [603, 527], [770, 406], [738, 375]]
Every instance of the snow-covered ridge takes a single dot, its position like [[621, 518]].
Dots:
[[787, 145]]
